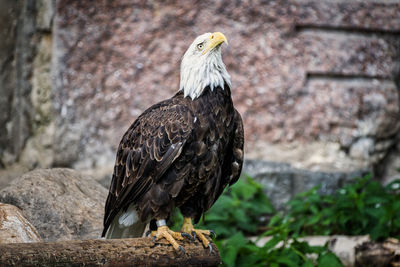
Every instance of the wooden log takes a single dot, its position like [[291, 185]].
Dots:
[[371, 254], [108, 252]]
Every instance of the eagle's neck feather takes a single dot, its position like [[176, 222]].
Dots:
[[197, 74]]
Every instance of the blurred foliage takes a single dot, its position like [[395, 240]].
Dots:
[[363, 207], [238, 209], [360, 208], [281, 250]]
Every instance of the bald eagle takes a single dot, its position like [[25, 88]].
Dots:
[[181, 152]]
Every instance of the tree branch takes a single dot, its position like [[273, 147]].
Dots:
[[121, 252]]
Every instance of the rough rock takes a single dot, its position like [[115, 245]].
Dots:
[[362, 149], [8, 19], [61, 203], [9, 174], [282, 181], [44, 14], [26, 109], [314, 156], [375, 253], [391, 168], [14, 228]]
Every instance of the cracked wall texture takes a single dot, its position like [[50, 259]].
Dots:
[[315, 81]]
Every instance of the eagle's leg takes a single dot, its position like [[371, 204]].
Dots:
[[188, 227], [163, 231]]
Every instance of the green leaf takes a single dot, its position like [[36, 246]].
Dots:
[[287, 261], [217, 217], [272, 242], [308, 264], [232, 247], [329, 260]]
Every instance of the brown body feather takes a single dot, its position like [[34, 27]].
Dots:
[[178, 153]]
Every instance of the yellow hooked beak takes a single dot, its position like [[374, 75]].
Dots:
[[216, 38]]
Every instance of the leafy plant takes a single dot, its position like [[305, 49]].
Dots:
[[237, 213], [239, 208], [364, 207], [280, 250]]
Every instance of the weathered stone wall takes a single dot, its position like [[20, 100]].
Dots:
[[26, 109], [8, 19], [315, 81]]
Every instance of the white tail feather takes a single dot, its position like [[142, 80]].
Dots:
[[126, 225]]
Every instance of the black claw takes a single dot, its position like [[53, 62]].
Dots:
[[182, 249], [183, 234], [148, 233], [210, 247], [194, 234], [213, 233]]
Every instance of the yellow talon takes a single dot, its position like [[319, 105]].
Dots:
[[169, 235], [188, 227]]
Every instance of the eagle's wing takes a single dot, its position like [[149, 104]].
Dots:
[[231, 167], [146, 151], [237, 149]]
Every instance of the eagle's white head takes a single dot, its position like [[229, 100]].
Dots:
[[202, 65]]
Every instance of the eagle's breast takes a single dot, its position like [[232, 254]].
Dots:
[[205, 155]]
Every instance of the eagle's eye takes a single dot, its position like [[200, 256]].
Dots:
[[200, 46]]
